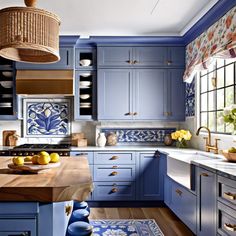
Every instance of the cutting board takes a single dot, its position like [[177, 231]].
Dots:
[[29, 167], [5, 136]]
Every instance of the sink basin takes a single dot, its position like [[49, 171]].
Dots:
[[179, 166]]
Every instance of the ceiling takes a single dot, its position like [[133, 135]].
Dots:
[[124, 17]]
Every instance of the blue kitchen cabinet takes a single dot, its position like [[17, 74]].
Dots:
[[151, 176], [66, 62], [125, 94], [150, 94], [176, 95], [176, 56], [115, 94], [206, 202]]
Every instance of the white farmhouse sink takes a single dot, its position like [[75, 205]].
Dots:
[[179, 166]]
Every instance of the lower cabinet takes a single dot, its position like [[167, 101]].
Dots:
[[206, 202], [182, 202], [151, 174]]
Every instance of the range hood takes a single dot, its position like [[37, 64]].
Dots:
[[44, 82]]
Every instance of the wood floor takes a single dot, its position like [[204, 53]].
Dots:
[[167, 221]]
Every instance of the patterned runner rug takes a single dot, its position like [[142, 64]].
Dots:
[[125, 228]]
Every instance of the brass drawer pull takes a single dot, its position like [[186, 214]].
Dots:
[[114, 173], [230, 196], [230, 227], [114, 167], [135, 113], [178, 192], [114, 190], [114, 158], [204, 174], [129, 62]]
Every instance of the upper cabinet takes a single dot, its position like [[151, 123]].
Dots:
[[8, 108], [140, 56], [66, 62]]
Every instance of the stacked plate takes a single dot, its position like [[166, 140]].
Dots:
[[84, 96], [85, 105], [5, 104], [85, 84]]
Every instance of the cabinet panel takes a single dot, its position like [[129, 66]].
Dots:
[[114, 56], [151, 177], [206, 202], [176, 56], [150, 56], [176, 95], [66, 62], [114, 94], [150, 94], [110, 191]]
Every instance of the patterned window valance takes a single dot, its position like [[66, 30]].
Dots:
[[219, 41]]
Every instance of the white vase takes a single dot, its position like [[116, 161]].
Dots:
[[101, 140]]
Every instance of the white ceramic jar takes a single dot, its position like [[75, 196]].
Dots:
[[101, 140]]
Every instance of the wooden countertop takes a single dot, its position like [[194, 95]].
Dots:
[[71, 181]]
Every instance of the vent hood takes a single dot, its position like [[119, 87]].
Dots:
[[44, 82]]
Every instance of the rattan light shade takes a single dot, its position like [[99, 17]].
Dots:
[[29, 34]]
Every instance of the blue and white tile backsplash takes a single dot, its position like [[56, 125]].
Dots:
[[139, 135], [190, 99], [46, 117]]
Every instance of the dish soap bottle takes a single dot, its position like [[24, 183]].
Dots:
[[101, 140]]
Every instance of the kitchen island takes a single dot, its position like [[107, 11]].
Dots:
[[41, 204]]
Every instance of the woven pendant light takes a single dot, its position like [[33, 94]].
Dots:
[[29, 34]]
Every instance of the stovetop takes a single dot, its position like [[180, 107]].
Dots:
[[43, 147]]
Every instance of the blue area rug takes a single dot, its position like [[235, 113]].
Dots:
[[125, 228]]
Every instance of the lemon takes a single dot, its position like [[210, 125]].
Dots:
[[18, 161], [28, 158], [54, 157], [43, 158], [35, 159]]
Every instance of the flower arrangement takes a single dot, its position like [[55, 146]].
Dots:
[[181, 137], [229, 116]]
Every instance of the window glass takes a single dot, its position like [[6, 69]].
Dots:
[[229, 75]]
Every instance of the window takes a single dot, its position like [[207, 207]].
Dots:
[[217, 90]]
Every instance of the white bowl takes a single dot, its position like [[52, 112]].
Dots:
[[7, 73], [85, 105], [85, 62], [84, 96], [85, 83], [85, 74], [6, 84]]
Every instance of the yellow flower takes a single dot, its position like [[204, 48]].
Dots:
[[181, 134]]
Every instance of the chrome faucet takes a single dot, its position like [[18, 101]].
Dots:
[[208, 146]]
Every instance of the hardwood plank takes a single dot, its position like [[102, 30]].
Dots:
[[165, 218]]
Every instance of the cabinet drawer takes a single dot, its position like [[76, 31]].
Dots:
[[17, 208], [17, 227], [112, 158], [114, 173], [89, 155], [227, 191], [184, 203], [227, 220], [106, 191]]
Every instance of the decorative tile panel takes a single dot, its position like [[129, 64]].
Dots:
[[136, 135], [190, 99], [46, 117]]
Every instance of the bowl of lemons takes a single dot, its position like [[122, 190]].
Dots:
[[230, 154]]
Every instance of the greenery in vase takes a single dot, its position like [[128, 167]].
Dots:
[[181, 137], [229, 116]]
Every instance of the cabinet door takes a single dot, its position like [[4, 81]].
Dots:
[[176, 95], [150, 98], [151, 177], [149, 56], [176, 56], [206, 202], [114, 94], [66, 62], [114, 56]]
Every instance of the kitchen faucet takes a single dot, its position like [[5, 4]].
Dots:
[[208, 146]]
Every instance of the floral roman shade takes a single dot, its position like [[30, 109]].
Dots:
[[218, 41]]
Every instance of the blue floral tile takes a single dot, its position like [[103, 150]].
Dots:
[[137, 135], [46, 117], [190, 99]]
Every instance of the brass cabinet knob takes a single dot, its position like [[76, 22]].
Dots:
[[204, 174], [178, 192], [114, 167], [135, 113], [135, 62], [230, 196], [129, 62], [114, 173], [230, 227], [114, 158], [169, 62], [114, 190]]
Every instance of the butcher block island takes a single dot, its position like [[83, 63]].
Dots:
[[41, 204]]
